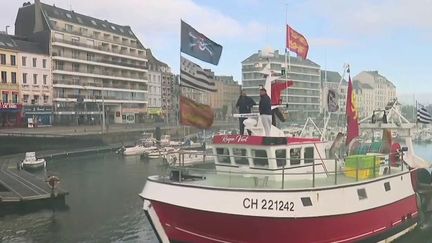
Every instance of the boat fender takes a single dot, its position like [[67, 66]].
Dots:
[[424, 176]]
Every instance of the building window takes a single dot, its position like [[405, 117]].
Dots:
[[13, 60], [35, 99], [75, 54], [25, 98], [44, 61], [45, 79], [4, 77], [75, 40], [5, 97], [34, 78], [60, 65], [24, 61], [45, 99], [68, 27], [34, 62], [90, 56], [24, 78], [3, 59], [75, 67], [83, 31], [14, 98], [13, 77]]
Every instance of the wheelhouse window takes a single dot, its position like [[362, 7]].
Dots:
[[295, 154], [223, 155], [308, 155], [280, 157], [240, 156], [260, 157]]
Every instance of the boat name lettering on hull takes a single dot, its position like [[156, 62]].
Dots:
[[237, 139], [268, 204]]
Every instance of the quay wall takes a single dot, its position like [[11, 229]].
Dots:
[[21, 143]]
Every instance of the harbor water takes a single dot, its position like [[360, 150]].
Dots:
[[103, 203]]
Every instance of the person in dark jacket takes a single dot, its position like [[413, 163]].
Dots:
[[265, 111], [244, 104]]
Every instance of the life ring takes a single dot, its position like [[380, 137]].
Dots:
[[53, 181]]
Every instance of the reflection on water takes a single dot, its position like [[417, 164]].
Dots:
[[103, 203]]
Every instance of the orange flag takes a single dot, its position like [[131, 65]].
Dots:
[[195, 114], [352, 114], [296, 42]]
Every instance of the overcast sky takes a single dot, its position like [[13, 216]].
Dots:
[[391, 36]]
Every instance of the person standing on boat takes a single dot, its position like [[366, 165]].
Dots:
[[244, 104], [265, 111]]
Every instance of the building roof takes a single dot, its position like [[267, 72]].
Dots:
[[20, 44], [81, 19], [358, 85], [275, 56], [332, 77], [152, 59], [376, 75]]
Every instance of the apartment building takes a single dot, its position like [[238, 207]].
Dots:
[[303, 98], [10, 104], [373, 91], [96, 65], [228, 92]]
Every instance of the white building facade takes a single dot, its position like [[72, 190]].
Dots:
[[35, 80], [374, 91], [96, 65], [303, 98]]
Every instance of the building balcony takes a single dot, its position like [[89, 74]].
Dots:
[[101, 49], [97, 61], [99, 74], [106, 100], [71, 84], [100, 37]]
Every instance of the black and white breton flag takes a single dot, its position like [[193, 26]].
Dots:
[[423, 116], [193, 76]]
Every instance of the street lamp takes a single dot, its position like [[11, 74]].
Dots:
[[103, 111]]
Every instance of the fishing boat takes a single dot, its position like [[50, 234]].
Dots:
[[31, 162], [291, 189]]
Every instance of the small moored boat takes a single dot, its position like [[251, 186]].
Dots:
[[31, 162]]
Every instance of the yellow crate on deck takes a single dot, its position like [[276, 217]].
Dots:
[[364, 164]]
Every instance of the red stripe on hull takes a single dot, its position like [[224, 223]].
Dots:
[[189, 225]]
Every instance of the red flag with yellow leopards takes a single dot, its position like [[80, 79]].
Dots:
[[296, 42], [352, 114], [195, 114]]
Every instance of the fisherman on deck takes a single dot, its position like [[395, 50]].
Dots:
[[244, 104], [265, 111]]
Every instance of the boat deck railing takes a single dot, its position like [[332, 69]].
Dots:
[[283, 177]]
